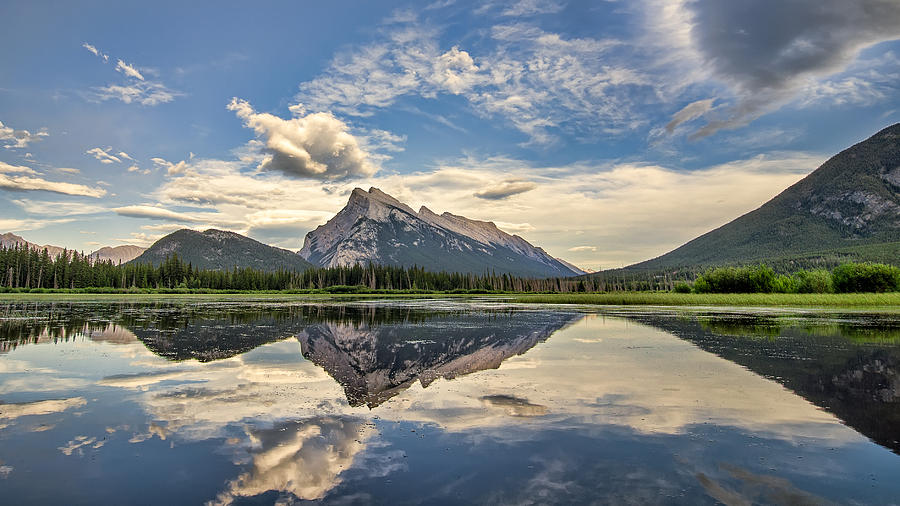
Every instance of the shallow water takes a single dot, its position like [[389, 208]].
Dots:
[[445, 402]]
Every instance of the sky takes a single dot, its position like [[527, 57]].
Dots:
[[606, 132]]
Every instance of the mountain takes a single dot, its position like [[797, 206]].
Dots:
[[117, 254], [849, 206], [221, 250], [376, 228], [9, 240]]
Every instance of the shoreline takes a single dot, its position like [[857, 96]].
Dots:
[[886, 301]]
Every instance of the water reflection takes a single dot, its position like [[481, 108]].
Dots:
[[850, 368], [266, 403]]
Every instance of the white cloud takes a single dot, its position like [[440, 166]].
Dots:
[[141, 92], [103, 155], [172, 169], [12, 138], [582, 248], [533, 7], [57, 208], [136, 89], [155, 213], [128, 70], [20, 225], [316, 146], [32, 181], [96, 51], [6, 168], [539, 81]]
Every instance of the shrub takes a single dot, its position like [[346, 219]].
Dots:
[[784, 284], [817, 281], [681, 287], [865, 277], [755, 279]]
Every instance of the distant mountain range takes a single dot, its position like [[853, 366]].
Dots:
[[376, 228], [221, 250], [117, 254], [849, 206]]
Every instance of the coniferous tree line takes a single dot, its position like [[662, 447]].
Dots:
[[29, 268], [23, 268]]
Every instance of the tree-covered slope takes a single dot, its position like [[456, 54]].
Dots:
[[221, 250], [851, 201]]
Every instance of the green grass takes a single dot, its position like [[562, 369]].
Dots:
[[888, 301]]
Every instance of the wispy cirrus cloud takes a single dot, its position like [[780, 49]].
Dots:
[[128, 70], [136, 89], [93, 49], [103, 155], [541, 82], [141, 92]]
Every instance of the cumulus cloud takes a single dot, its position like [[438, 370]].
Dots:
[[767, 51], [128, 70], [505, 189], [316, 146], [12, 138], [103, 155]]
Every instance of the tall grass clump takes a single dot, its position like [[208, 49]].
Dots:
[[865, 277]]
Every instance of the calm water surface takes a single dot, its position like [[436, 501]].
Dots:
[[445, 403]]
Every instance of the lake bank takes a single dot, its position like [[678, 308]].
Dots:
[[884, 301]]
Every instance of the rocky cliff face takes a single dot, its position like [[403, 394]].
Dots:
[[376, 228]]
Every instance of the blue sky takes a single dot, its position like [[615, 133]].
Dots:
[[605, 132]]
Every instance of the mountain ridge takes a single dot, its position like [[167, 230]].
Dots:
[[375, 227], [221, 250], [850, 201]]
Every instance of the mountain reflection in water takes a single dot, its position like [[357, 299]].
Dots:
[[442, 402], [850, 369]]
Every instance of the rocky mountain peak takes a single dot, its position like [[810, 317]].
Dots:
[[376, 227]]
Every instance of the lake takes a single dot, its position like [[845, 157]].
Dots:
[[445, 402]]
